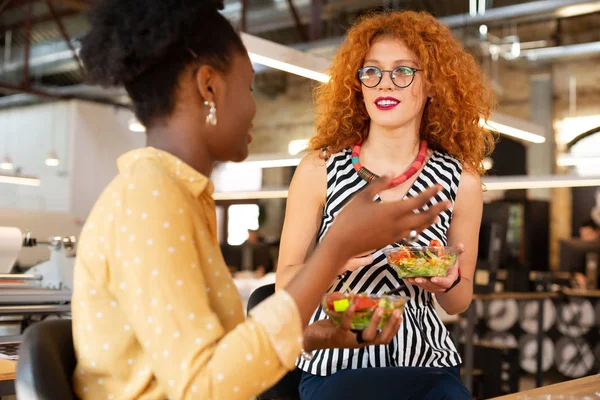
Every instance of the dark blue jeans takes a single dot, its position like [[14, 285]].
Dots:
[[392, 383]]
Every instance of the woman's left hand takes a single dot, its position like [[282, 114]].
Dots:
[[439, 284]]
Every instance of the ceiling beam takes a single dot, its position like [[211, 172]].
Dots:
[[37, 20]]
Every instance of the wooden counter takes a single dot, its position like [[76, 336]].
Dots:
[[577, 387], [8, 370]]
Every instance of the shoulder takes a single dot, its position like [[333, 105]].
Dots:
[[310, 178], [470, 190]]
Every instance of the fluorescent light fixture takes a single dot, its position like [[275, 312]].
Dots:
[[578, 9], [285, 58], [136, 126], [483, 30], [517, 128], [538, 182], [20, 180], [297, 146], [488, 163], [6, 164], [260, 194], [572, 127], [266, 161], [571, 161], [52, 159]]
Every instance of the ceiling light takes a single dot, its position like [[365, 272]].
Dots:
[[517, 128], [570, 161], [136, 126], [578, 9], [483, 30], [260, 194], [488, 163], [52, 159], [538, 182], [6, 163], [20, 180], [297, 146], [283, 58]]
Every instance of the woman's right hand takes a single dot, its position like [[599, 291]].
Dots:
[[356, 262], [365, 224]]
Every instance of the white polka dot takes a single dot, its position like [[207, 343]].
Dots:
[[144, 215], [114, 194], [176, 334], [182, 238], [178, 172], [102, 239], [118, 254], [86, 347], [210, 262], [111, 218], [100, 381], [224, 346], [149, 242], [135, 307], [106, 346], [110, 397], [171, 249], [79, 283], [154, 272], [181, 211], [99, 315], [199, 340], [217, 273], [126, 264], [158, 330], [88, 327], [169, 307], [93, 363], [171, 382], [267, 362], [207, 290], [87, 246], [85, 389], [131, 186], [263, 385], [93, 292], [179, 283], [122, 285], [194, 388], [137, 260], [127, 389], [82, 303], [219, 294], [128, 211], [139, 291], [191, 180], [220, 377], [165, 353], [150, 320], [123, 228], [147, 343], [130, 361], [249, 357], [154, 302], [155, 356], [236, 389], [127, 328], [191, 316], [118, 203], [155, 193], [132, 238], [209, 327], [92, 254], [228, 286], [166, 224], [102, 257], [194, 265]]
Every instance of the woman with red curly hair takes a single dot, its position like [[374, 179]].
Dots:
[[404, 99]]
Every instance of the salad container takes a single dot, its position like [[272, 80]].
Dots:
[[425, 261], [335, 305]]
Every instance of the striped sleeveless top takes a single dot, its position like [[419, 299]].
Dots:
[[422, 340]]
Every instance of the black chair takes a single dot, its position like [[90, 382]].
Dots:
[[46, 362], [287, 387]]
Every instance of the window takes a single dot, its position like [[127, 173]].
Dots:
[[241, 217]]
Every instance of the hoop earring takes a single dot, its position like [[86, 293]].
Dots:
[[211, 118]]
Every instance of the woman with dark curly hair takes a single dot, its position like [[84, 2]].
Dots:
[[404, 97], [156, 314]]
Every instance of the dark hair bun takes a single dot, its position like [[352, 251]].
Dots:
[[128, 37]]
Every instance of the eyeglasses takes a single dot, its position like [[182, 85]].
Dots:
[[401, 76]]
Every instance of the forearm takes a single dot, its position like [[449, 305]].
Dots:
[[458, 299], [311, 282], [285, 274]]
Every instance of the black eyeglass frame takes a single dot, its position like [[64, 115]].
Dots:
[[381, 72]]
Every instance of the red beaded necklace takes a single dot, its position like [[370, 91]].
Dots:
[[369, 176]]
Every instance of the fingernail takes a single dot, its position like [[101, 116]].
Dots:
[[379, 312], [434, 280], [419, 280]]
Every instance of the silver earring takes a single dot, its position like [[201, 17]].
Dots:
[[211, 118]]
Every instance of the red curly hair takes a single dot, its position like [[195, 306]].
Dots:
[[460, 92]]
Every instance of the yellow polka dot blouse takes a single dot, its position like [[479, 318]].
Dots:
[[156, 314]]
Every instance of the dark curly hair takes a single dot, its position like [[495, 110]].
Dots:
[[144, 45]]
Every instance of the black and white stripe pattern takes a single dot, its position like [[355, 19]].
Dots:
[[422, 341]]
